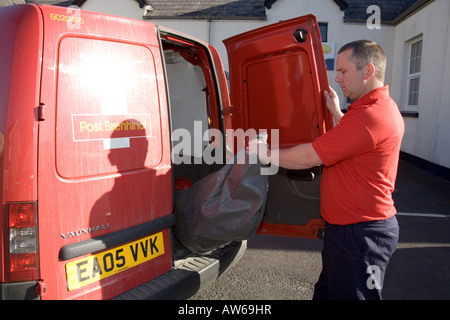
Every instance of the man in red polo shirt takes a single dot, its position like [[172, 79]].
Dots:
[[360, 159]]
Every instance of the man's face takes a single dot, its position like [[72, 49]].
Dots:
[[351, 80]]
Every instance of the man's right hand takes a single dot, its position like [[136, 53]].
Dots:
[[332, 103]]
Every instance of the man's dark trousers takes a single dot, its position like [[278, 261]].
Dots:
[[354, 259]]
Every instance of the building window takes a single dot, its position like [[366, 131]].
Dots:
[[415, 58], [323, 27]]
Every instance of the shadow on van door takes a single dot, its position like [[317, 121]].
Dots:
[[131, 201]]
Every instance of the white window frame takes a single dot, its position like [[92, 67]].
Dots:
[[412, 76]]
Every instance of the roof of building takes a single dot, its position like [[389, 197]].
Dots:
[[390, 11], [4, 3], [183, 9], [354, 10], [208, 9]]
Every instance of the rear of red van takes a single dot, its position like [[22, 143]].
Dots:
[[86, 180], [85, 155], [104, 157]]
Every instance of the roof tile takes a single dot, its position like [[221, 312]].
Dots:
[[357, 9], [208, 9]]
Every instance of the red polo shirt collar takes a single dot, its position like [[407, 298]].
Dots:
[[370, 97]]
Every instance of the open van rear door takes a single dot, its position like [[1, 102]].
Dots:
[[277, 78]]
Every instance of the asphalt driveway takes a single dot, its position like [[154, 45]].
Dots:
[[420, 268]]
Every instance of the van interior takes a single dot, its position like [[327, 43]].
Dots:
[[194, 108]]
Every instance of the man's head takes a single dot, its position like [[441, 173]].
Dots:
[[361, 67]]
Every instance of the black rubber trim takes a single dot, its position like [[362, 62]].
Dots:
[[18, 291], [78, 249], [189, 276]]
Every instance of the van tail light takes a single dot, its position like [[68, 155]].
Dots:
[[22, 242]]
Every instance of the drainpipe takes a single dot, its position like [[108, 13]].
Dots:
[[209, 30]]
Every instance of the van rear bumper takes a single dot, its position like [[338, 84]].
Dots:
[[18, 291], [188, 276]]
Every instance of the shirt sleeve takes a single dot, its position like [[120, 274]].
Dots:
[[347, 140]]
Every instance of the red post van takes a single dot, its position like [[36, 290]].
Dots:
[[88, 105]]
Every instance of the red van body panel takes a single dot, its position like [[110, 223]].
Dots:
[[20, 60], [104, 150]]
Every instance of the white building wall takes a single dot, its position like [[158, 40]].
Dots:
[[127, 8], [428, 136]]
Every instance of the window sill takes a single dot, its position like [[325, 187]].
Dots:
[[409, 114]]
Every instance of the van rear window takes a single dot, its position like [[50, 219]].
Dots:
[[108, 116]]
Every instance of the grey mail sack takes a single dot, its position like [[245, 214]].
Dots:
[[225, 206]]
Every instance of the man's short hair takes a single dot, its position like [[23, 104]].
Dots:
[[365, 52]]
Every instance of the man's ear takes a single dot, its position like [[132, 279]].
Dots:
[[369, 71]]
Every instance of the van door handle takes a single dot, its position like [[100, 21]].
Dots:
[[306, 175], [41, 112]]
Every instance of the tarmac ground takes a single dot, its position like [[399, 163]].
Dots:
[[420, 267]]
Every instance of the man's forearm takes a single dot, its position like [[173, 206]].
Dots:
[[337, 115], [302, 156]]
